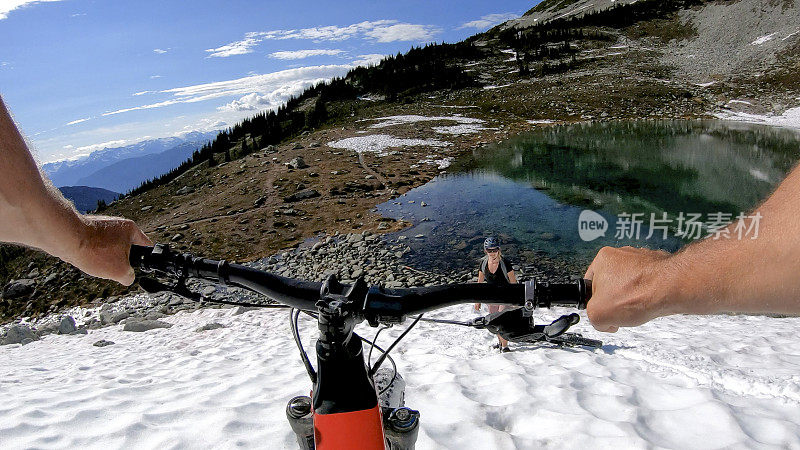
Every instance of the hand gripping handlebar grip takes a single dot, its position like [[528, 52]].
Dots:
[[137, 255]]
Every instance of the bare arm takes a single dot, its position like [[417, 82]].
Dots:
[[35, 214], [512, 278], [632, 286], [480, 280]]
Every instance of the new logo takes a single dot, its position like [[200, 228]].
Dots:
[[591, 225]]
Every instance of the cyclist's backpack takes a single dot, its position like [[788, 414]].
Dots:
[[501, 267]]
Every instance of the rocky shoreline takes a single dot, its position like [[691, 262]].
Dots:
[[379, 259]]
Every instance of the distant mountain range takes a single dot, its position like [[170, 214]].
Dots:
[[86, 198], [82, 171]]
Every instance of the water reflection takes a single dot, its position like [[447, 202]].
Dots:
[[530, 190]]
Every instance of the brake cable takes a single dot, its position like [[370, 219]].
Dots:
[[294, 314], [380, 360]]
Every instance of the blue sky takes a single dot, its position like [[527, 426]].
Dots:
[[80, 75]]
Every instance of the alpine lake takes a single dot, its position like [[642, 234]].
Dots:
[[683, 177]]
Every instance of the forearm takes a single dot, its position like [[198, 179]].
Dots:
[[33, 212], [746, 275]]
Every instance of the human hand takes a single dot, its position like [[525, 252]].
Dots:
[[104, 246], [629, 287]]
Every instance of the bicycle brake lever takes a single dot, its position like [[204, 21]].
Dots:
[[152, 286], [478, 322]]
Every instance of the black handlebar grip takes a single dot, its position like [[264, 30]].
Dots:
[[138, 253], [574, 295]]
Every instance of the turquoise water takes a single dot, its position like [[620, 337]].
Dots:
[[530, 191]]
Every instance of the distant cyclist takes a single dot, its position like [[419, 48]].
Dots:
[[495, 269]]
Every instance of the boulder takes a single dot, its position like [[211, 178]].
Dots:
[[297, 163], [184, 190], [19, 288], [67, 325], [118, 317], [549, 237], [139, 326], [209, 326], [102, 343], [19, 334], [301, 195]]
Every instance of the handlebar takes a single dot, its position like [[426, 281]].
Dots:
[[379, 305]]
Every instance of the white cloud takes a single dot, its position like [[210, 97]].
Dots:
[[159, 51], [234, 48], [378, 30], [75, 122], [402, 32], [6, 6], [136, 94], [488, 21], [271, 87], [302, 54], [369, 60], [102, 145], [153, 77]]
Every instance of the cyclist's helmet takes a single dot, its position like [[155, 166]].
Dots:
[[491, 242]]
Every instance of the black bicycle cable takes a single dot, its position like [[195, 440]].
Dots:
[[372, 345], [294, 314], [380, 360], [364, 340]]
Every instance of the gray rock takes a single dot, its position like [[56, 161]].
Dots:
[[19, 288], [103, 343], [184, 190], [301, 195], [146, 208], [243, 309], [118, 317], [209, 326], [19, 334], [208, 291], [260, 201], [50, 278], [139, 326], [297, 146], [549, 236], [67, 325], [33, 273], [297, 163]]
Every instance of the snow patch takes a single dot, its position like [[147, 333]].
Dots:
[[379, 143], [710, 83], [790, 118], [406, 119], [537, 121], [744, 102], [763, 39], [492, 86], [461, 129], [440, 163]]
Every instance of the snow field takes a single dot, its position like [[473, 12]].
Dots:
[[677, 382], [379, 143]]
